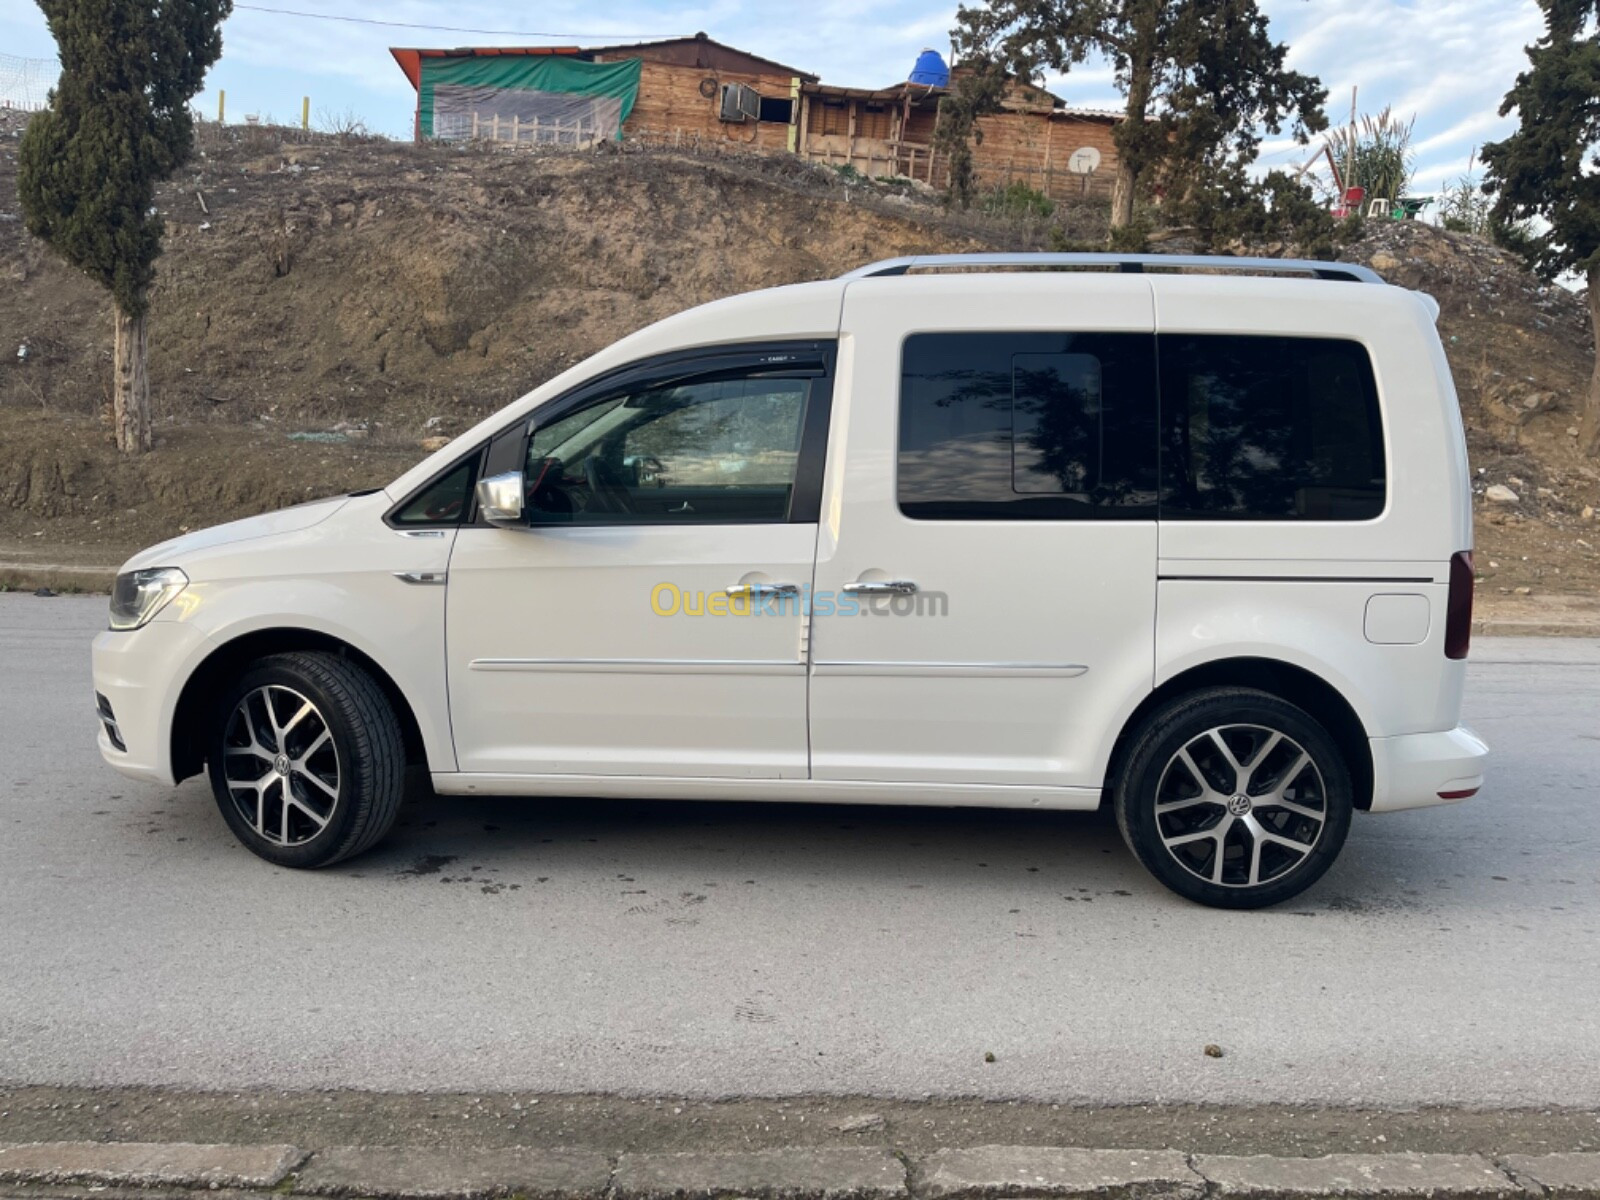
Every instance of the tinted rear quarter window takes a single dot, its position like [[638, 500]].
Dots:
[[1027, 426], [1269, 428]]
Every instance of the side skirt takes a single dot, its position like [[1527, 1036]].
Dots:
[[784, 791]]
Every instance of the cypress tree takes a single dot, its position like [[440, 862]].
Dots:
[[117, 123], [1544, 175]]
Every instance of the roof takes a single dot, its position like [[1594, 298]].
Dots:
[[894, 91], [709, 42], [410, 59], [1083, 110], [922, 93]]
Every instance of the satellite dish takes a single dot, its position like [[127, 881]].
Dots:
[[1084, 161]]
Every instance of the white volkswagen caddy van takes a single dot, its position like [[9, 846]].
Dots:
[[1190, 537]]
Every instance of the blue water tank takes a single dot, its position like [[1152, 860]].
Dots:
[[930, 70]]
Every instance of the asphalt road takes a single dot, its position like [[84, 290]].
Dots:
[[1452, 956]]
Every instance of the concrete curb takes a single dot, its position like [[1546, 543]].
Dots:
[[984, 1172], [822, 1173], [790, 1174], [1563, 1176], [414, 1173], [1386, 1175], [148, 1164]]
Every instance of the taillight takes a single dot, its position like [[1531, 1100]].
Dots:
[[1458, 614]]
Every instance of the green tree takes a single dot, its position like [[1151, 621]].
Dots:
[[1544, 176], [117, 123], [1233, 209], [976, 91], [1202, 78]]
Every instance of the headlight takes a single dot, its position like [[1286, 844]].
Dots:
[[140, 595]]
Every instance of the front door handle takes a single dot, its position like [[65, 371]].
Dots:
[[760, 591], [882, 587]]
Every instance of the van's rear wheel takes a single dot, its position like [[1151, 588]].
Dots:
[[1235, 798], [306, 759]]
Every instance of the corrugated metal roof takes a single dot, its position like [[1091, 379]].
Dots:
[[1083, 110], [894, 91]]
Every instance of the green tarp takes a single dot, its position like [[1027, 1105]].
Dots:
[[471, 83]]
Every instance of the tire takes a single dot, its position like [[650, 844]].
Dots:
[[320, 727], [1225, 767]]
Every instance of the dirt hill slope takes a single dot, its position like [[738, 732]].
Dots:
[[1521, 353], [334, 281], [372, 294], [405, 291]]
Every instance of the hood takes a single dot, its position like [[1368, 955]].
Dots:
[[285, 520]]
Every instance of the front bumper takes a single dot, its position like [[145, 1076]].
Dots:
[[1416, 770], [139, 673]]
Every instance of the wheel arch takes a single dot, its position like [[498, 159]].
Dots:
[[224, 663], [1298, 685]]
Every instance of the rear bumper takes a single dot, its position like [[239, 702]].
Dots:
[[1417, 770]]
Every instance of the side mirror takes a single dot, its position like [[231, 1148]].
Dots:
[[500, 499]]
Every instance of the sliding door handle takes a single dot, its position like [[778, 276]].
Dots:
[[882, 587], [761, 591]]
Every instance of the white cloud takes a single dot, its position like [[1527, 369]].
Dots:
[[1449, 63]]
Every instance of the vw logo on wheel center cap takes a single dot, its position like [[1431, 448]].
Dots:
[[1239, 805], [281, 764]]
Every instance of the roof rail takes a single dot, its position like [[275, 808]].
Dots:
[[1128, 263]]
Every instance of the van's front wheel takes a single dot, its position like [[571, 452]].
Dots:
[[307, 759], [1234, 798]]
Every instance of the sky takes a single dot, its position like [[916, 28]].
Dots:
[[1448, 62]]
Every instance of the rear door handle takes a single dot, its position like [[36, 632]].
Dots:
[[760, 591], [882, 587]]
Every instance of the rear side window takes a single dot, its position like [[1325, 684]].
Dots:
[[1027, 426], [1269, 429]]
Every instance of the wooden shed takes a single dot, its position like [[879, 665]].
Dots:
[[695, 91], [889, 131], [686, 90], [683, 94], [877, 131]]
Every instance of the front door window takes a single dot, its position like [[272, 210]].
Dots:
[[720, 450]]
